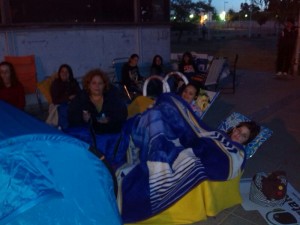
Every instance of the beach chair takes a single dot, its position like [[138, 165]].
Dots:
[[214, 72], [230, 76]]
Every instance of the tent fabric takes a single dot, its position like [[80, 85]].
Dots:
[[47, 177], [14, 122]]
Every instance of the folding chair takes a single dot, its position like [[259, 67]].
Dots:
[[117, 64], [214, 73], [25, 70]]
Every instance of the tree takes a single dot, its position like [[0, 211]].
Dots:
[[281, 9], [181, 11]]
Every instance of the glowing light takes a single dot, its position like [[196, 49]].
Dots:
[[223, 15], [191, 16]]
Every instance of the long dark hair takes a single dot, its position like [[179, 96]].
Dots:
[[13, 76], [252, 126], [190, 56], [70, 71]]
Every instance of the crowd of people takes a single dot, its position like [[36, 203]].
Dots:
[[99, 102]]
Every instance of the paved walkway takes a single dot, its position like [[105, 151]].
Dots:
[[275, 104]]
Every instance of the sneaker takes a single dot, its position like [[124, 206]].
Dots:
[[284, 74], [279, 73]]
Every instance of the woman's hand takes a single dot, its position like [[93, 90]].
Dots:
[[86, 116], [103, 120]]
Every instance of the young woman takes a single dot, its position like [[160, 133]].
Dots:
[[190, 94], [157, 67], [11, 90], [99, 103], [65, 87], [187, 65], [131, 77], [244, 132]]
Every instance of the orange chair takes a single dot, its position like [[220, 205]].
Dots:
[[25, 70]]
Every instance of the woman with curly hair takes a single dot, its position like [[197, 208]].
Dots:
[[99, 103]]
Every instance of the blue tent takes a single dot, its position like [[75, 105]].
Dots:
[[47, 177]]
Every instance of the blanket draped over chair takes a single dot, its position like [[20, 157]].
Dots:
[[170, 151]]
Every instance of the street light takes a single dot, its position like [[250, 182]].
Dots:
[[225, 2]]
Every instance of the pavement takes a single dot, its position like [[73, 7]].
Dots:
[[273, 103]]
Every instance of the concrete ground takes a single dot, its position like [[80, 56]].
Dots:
[[274, 103]]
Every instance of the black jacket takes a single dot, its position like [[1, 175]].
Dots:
[[113, 107]]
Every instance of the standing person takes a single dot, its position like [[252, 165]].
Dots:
[[286, 48], [131, 77], [11, 90], [99, 103], [204, 31]]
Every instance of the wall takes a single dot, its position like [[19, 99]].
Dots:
[[84, 48]]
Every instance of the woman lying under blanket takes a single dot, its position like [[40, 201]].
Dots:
[[169, 151]]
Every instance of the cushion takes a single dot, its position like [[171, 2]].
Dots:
[[44, 87], [234, 119]]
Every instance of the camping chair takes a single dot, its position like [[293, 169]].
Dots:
[[231, 74], [177, 75], [214, 73], [26, 72]]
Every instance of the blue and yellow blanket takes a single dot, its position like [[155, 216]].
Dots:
[[168, 152]]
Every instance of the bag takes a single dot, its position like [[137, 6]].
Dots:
[[52, 118], [269, 189]]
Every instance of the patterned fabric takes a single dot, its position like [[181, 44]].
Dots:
[[169, 151], [234, 119]]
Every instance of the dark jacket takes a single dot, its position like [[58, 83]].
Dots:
[[62, 90], [113, 107], [130, 75]]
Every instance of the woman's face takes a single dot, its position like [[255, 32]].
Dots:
[[189, 94], [5, 75], [64, 74], [240, 134], [157, 61], [96, 86], [186, 58], [134, 61]]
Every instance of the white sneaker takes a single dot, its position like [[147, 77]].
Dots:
[[279, 73], [284, 74]]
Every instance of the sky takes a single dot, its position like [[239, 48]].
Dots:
[[229, 4]]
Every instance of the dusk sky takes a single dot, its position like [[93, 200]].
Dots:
[[229, 4]]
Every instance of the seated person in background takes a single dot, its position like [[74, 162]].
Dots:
[[11, 90], [244, 132], [187, 66], [65, 87], [131, 77], [98, 103], [190, 94], [157, 67]]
